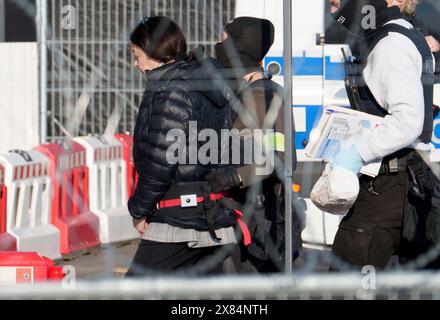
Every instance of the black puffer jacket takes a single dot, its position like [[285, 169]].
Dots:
[[175, 94]]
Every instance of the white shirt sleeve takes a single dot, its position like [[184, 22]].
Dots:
[[393, 75]]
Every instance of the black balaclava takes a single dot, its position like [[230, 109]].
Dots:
[[351, 15], [249, 40]]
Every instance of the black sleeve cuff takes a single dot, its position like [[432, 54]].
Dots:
[[135, 211]]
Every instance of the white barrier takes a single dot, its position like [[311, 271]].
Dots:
[[19, 91], [108, 187], [28, 203]]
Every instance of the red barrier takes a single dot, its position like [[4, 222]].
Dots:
[[27, 268], [70, 213], [132, 176], [7, 242]]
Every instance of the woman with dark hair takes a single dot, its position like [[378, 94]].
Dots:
[[180, 221]]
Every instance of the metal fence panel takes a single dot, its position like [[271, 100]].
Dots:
[[90, 85], [348, 286]]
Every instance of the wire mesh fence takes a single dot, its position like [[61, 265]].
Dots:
[[349, 286], [89, 58], [91, 88]]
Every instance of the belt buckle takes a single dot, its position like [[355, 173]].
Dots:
[[393, 166], [188, 201]]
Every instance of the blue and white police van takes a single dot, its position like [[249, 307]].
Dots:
[[318, 81]]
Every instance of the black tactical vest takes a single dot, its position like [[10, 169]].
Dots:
[[360, 95]]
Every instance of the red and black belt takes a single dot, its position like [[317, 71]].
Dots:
[[164, 204]]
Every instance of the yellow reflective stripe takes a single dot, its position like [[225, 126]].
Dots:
[[274, 141]]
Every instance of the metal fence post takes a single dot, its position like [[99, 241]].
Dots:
[[2, 21], [42, 41], [288, 126]]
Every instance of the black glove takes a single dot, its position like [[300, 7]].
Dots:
[[433, 226], [223, 179]]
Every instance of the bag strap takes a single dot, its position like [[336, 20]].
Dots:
[[412, 34]]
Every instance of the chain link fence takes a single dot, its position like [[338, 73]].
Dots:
[[348, 286], [90, 87]]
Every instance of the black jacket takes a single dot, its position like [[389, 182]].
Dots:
[[175, 94]]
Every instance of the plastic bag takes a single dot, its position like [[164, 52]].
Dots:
[[335, 191]]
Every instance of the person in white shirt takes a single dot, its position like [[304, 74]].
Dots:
[[408, 9], [395, 59]]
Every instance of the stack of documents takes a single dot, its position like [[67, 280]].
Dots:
[[340, 128]]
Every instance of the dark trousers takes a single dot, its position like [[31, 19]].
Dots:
[[370, 233], [159, 257], [240, 261]]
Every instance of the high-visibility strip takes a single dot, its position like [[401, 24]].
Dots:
[[274, 141]]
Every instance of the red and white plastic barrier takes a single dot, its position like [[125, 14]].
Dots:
[[108, 187], [28, 203], [7, 242], [70, 213], [27, 268], [132, 176]]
